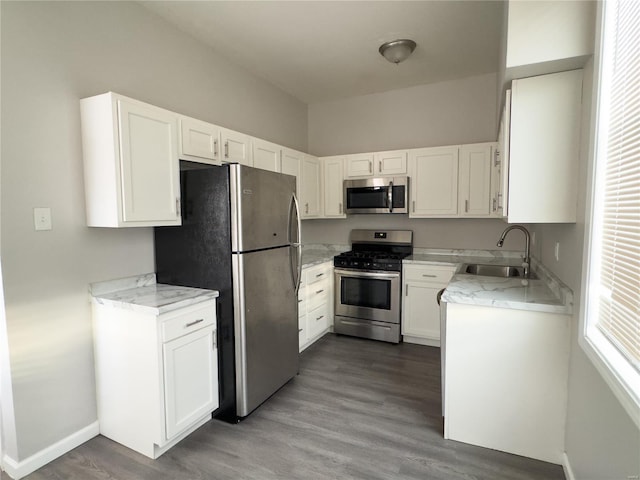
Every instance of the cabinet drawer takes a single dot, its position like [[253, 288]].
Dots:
[[440, 275], [317, 294], [302, 304], [316, 273], [188, 322], [317, 320]]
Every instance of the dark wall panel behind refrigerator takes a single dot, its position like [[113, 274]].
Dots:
[[198, 254]]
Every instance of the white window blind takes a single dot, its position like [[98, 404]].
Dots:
[[616, 222]]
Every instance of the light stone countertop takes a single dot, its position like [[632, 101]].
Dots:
[[314, 254], [545, 294], [143, 294]]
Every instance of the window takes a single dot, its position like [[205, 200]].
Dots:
[[611, 315]]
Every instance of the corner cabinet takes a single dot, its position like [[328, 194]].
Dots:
[[131, 170], [158, 382], [541, 147]]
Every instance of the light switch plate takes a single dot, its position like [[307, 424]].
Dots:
[[42, 218]]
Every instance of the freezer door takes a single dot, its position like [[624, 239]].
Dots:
[[266, 325], [260, 208]]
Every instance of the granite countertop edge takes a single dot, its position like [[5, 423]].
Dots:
[[142, 294]]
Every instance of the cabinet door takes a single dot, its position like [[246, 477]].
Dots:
[[290, 164], [236, 147], [149, 164], [434, 182], [333, 168], [359, 165], [266, 155], [199, 141], [190, 379], [474, 185], [544, 148], [391, 163], [310, 197], [421, 316]]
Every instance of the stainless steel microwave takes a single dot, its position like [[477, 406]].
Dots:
[[377, 195]]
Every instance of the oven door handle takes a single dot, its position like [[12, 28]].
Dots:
[[366, 274], [390, 196]]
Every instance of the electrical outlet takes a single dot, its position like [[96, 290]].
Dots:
[[556, 252], [42, 218]]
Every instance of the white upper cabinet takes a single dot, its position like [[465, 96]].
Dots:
[[199, 141], [310, 193], [434, 182], [236, 147], [333, 174], [474, 180], [390, 163], [290, 164], [130, 152], [359, 165], [544, 144], [266, 155]]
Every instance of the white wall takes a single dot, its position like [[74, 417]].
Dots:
[[53, 54], [602, 442], [447, 113]]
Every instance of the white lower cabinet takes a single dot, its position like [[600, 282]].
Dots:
[[420, 309], [156, 375], [315, 303], [505, 379]]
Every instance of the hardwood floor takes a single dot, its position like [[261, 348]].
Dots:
[[358, 410]]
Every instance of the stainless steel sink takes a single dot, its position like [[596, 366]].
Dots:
[[504, 271]]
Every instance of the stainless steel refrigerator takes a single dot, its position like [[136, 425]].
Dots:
[[240, 235]]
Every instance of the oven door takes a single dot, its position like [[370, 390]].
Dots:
[[368, 295]]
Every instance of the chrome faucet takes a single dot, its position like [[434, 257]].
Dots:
[[527, 249]]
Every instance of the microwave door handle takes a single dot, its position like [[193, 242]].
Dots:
[[390, 197]]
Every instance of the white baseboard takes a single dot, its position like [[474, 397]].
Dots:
[[17, 470], [566, 466], [429, 342]]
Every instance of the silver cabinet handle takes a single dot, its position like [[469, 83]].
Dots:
[[370, 168], [320, 291], [466, 206], [319, 275], [306, 209], [413, 203], [177, 206], [195, 322], [428, 275], [320, 317], [494, 204], [340, 208], [214, 341], [226, 149], [300, 301], [215, 149], [380, 166]]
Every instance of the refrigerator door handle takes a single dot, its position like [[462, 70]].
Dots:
[[298, 245]]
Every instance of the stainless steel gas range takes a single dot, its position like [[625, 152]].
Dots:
[[368, 284]]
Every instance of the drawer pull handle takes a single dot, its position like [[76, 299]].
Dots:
[[300, 301], [195, 322], [319, 275], [320, 317], [320, 291], [429, 276], [299, 330]]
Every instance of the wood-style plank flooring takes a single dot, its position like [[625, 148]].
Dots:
[[359, 409]]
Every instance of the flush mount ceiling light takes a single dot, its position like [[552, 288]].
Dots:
[[397, 51]]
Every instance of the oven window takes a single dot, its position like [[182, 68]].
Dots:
[[365, 292], [367, 197]]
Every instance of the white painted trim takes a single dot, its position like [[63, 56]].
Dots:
[[429, 342], [17, 470], [566, 466]]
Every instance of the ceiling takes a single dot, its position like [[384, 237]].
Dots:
[[325, 50]]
